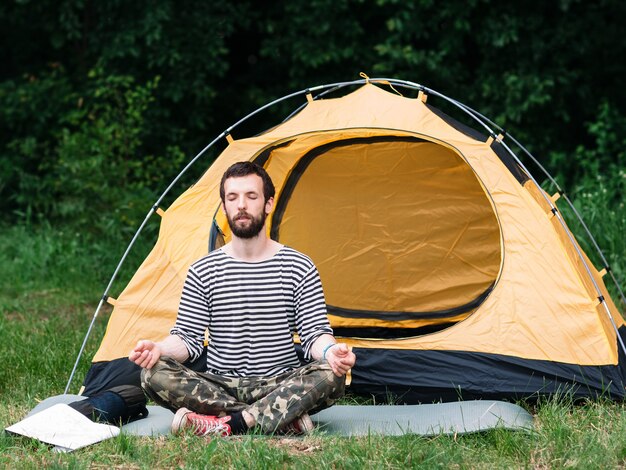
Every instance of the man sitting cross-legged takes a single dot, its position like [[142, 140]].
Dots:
[[252, 294]]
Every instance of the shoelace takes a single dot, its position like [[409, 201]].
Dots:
[[204, 427]]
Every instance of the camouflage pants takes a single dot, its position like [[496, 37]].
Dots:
[[272, 401]]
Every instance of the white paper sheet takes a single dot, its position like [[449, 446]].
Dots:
[[64, 427]]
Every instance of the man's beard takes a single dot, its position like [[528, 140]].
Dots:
[[251, 230]]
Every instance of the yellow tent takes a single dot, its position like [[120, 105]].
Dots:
[[445, 265]]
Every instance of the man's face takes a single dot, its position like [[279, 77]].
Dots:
[[245, 205]]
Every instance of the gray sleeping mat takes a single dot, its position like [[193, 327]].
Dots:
[[426, 420], [360, 420]]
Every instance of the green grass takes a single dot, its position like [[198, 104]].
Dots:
[[51, 285]]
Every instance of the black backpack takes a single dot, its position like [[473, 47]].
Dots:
[[117, 405]]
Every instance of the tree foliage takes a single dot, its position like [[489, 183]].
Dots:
[[101, 102]]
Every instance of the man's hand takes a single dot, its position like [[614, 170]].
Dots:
[[146, 354], [340, 359]]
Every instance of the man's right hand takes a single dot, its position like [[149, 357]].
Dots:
[[146, 354], [340, 358]]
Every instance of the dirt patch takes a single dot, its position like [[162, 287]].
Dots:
[[14, 316], [298, 445]]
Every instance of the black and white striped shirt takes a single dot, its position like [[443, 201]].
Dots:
[[251, 311]]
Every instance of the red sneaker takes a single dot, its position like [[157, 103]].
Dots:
[[200, 425], [301, 425]]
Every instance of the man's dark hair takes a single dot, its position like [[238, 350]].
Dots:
[[240, 169]]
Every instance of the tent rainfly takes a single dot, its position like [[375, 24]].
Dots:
[[446, 266]]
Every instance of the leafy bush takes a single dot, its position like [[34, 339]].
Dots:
[[87, 170]]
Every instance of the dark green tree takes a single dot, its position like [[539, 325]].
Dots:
[[102, 101]]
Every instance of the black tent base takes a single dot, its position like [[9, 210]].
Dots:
[[408, 377], [412, 376]]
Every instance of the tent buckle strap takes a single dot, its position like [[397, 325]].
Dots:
[[109, 300], [160, 212], [605, 270], [229, 138], [496, 138]]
